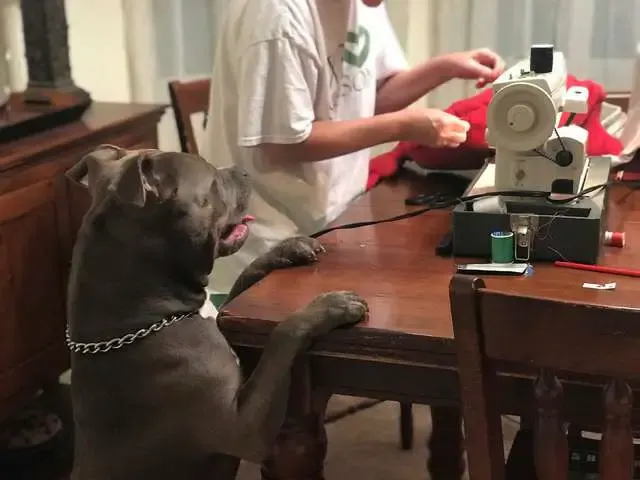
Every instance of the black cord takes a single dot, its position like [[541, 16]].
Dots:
[[543, 154], [349, 226], [559, 138], [441, 203]]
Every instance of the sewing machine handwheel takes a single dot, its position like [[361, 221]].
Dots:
[[539, 117]]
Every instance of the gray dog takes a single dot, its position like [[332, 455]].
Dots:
[[157, 391]]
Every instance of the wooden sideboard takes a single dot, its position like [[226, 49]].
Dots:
[[40, 213]]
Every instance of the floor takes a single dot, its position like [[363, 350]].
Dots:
[[364, 445], [53, 463]]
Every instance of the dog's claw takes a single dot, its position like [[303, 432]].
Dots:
[[335, 309], [298, 251]]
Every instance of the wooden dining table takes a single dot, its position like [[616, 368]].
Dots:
[[405, 350]]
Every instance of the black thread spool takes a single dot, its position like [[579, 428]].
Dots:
[[541, 58]]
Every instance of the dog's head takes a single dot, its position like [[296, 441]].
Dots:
[[178, 196]]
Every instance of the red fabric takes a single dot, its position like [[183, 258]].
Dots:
[[471, 154]]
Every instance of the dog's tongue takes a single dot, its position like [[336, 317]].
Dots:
[[238, 232]]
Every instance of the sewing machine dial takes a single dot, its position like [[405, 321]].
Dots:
[[521, 116], [562, 154]]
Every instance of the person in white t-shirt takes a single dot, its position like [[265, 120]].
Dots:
[[300, 91]]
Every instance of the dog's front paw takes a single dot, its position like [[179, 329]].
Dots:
[[297, 251], [335, 309]]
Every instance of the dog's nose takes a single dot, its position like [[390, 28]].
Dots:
[[234, 171], [241, 172], [237, 175]]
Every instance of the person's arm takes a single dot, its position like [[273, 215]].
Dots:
[[329, 139], [399, 86], [404, 88], [276, 112]]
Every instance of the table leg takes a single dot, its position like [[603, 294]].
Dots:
[[301, 445], [445, 444]]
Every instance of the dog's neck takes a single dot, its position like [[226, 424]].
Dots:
[[120, 283]]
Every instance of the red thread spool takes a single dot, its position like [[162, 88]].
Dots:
[[614, 239]]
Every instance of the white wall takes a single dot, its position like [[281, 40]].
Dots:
[[96, 47]]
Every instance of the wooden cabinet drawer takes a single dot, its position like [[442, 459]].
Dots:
[[32, 302]]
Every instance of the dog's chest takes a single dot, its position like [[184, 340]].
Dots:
[[176, 388]]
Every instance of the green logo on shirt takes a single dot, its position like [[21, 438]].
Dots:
[[356, 50]]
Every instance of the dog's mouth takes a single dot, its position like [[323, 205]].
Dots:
[[236, 232]]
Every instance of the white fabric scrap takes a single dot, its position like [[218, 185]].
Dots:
[[600, 286]]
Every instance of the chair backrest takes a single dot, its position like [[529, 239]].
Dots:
[[620, 99], [501, 333], [188, 98]]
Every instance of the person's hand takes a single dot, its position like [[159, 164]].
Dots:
[[482, 65], [433, 128]]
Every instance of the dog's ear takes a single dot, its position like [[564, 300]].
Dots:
[[140, 176], [134, 181], [95, 167], [101, 165]]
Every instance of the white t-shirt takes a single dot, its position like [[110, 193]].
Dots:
[[281, 65]]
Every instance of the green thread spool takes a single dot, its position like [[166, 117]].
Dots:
[[502, 247]]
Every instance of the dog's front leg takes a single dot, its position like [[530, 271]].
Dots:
[[291, 252], [262, 400]]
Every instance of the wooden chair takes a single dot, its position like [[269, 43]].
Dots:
[[620, 99], [188, 98], [192, 97], [497, 330]]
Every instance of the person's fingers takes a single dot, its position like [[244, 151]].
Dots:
[[485, 57], [456, 124], [450, 143], [455, 137], [475, 69], [450, 131], [455, 131], [491, 60]]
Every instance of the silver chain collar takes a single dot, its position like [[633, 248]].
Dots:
[[119, 342]]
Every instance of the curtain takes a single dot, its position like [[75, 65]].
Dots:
[[169, 40], [598, 37]]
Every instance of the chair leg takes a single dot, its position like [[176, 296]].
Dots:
[[406, 426]]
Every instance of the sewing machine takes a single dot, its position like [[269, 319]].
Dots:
[[551, 200]]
